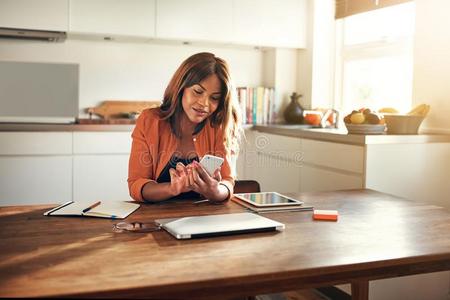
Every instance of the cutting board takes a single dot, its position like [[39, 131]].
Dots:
[[114, 109]]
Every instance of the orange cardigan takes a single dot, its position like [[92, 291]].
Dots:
[[154, 144]]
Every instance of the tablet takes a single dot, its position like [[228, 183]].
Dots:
[[267, 199]]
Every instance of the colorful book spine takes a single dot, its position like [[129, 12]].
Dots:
[[258, 105]]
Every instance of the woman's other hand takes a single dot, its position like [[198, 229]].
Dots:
[[179, 180]]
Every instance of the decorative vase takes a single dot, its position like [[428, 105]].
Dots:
[[294, 111]]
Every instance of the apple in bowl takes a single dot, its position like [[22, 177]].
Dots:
[[364, 121]]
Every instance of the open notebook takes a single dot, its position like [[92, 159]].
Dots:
[[113, 209]]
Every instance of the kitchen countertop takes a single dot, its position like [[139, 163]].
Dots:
[[338, 135], [65, 127]]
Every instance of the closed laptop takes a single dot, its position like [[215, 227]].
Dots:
[[217, 225]]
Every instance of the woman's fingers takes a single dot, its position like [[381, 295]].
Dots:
[[173, 174], [217, 176], [190, 176], [202, 173], [181, 169], [197, 179]]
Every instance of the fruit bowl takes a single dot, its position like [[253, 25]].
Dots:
[[366, 128], [403, 124]]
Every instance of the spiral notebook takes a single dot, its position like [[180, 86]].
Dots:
[[105, 209]]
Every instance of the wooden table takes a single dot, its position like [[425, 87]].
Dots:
[[376, 236]]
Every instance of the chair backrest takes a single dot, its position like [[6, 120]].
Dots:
[[246, 186]]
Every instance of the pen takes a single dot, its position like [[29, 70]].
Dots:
[[201, 201], [92, 206]]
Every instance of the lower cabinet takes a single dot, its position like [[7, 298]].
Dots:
[[331, 166], [35, 180], [316, 179], [416, 171], [100, 177], [35, 167], [100, 166], [272, 160], [419, 171], [56, 167], [277, 174], [291, 164]]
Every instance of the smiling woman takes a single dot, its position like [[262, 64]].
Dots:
[[198, 116]]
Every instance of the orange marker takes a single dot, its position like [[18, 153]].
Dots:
[[328, 215]]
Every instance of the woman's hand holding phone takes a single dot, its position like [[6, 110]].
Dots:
[[203, 183]]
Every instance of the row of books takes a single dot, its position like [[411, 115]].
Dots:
[[257, 105]]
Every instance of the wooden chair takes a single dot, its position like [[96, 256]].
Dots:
[[246, 186]]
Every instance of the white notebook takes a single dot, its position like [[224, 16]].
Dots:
[[112, 210]]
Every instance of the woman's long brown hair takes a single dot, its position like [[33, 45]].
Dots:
[[192, 71]]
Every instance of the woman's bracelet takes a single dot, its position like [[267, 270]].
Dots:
[[228, 189]]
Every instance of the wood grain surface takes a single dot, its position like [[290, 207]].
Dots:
[[376, 236], [113, 108]]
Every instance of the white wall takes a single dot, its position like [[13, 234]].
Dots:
[[323, 45], [128, 70], [432, 62], [304, 60], [285, 78]]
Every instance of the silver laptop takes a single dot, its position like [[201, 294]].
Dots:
[[217, 225]]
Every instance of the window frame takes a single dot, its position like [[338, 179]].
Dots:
[[375, 49]]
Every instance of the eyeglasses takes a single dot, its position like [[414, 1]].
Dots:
[[136, 227]]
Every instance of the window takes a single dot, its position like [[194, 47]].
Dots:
[[374, 59]]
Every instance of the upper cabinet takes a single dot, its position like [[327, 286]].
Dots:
[[270, 23], [194, 20], [37, 15], [267, 23], [113, 17]]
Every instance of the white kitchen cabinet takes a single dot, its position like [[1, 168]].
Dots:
[[274, 161], [276, 174], [113, 17], [35, 167], [100, 177], [37, 15], [291, 164], [35, 179], [195, 20], [331, 166], [35, 143], [416, 171], [270, 23], [317, 179], [337, 156], [101, 143], [412, 167], [100, 164]]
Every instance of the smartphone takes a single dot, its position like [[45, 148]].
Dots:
[[211, 163]]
